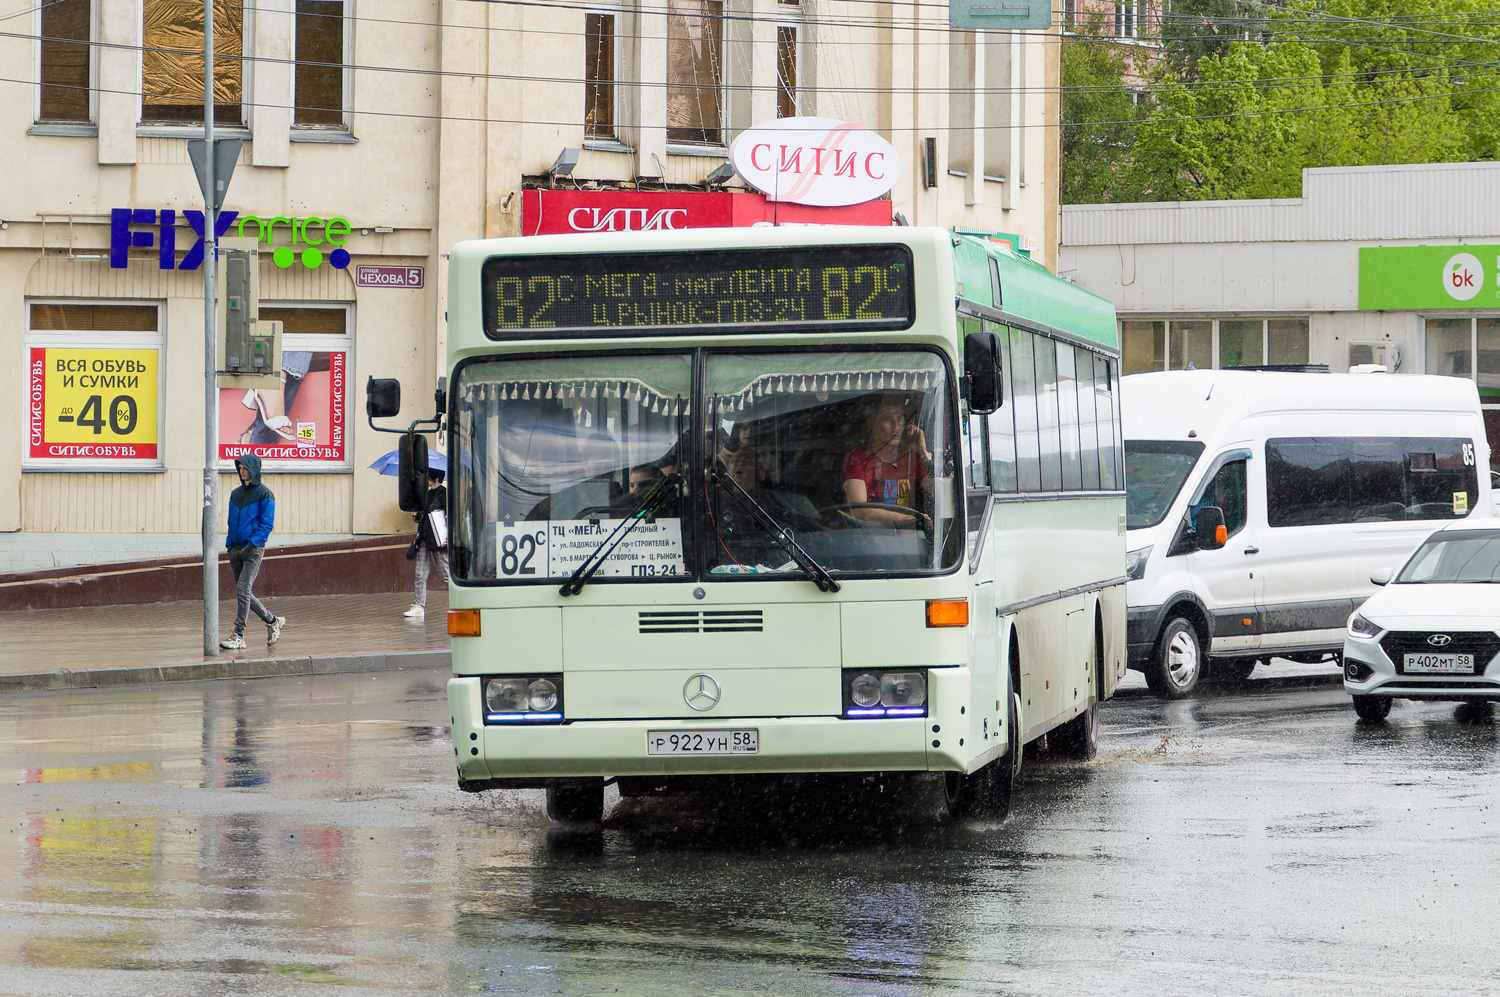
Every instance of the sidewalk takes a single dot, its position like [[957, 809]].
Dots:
[[159, 642]]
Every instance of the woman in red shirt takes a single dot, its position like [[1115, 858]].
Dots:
[[890, 468]]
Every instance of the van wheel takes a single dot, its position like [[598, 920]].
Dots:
[[579, 803], [1372, 709], [1178, 666]]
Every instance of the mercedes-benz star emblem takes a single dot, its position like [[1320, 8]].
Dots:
[[701, 692], [1439, 640]]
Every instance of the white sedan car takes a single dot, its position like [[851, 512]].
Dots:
[[1433, 632]]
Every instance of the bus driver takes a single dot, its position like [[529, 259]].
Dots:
[[890, 468]]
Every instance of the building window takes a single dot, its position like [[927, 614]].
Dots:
[[1153, 344], [320, 63], [962, 52], [84, 418], [599, 76], [786, 72], [1469, 347], [1126, 19], [172, 62], [299, 421], [695, 70], [66, 60]]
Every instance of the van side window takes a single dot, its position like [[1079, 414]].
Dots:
[[1313, 481], [1229, 490]]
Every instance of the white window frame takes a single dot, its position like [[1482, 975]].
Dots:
[[1265, 320], [159, 129], [40, 127], [316, 342], [97, 339], [1127, 19], [347, 99]]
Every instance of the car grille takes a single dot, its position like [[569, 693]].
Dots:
[[1483, 644]]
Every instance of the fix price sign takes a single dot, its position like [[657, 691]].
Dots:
[[92, 404]]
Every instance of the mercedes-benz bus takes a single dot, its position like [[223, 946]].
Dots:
[[742, 503]]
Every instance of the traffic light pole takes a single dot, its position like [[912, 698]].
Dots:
[[210, 348]]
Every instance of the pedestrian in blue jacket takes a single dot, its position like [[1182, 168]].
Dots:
[[252, 514]]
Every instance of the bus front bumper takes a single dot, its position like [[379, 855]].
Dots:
[[537, 755]]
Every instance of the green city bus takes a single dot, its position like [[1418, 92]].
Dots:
[[748, 503]]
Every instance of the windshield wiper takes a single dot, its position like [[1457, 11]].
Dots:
[[648, 503], [814, 571]]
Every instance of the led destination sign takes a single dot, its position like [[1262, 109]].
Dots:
[[812, 289]]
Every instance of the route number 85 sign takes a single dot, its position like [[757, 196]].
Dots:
[[92, 404]]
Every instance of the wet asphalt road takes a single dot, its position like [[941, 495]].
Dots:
[[304, 837]]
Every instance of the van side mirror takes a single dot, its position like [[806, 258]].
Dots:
[[1381, 576], [982, 370], [1211, 533], [411, 472], [382, 397]]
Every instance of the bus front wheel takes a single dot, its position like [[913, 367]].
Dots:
[[986, 791], [576, 803], [1177, 667]]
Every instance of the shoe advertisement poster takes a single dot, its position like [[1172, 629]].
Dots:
[[92, 404], [302, 419]]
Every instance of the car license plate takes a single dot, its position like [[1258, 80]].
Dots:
[[1440, 663], [702, 742]]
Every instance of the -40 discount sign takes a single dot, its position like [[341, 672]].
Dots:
[[89, 404]]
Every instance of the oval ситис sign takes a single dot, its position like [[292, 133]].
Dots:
[[818, 161]]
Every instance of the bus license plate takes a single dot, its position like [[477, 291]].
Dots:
[[702, 742], [1440, 663]]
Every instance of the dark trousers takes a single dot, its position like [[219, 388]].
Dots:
[[244, 561]]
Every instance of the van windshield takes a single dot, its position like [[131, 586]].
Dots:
[[1154, 473]]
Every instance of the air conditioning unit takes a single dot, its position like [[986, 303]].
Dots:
[[1387, 355]]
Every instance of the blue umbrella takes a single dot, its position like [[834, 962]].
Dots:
[[388, 463]]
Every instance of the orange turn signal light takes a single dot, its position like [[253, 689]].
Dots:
[[947, 612], [1221, 535], [463, 623]]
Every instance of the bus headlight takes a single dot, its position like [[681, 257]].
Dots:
[[885, 694], [523, 698], [865, 690], [542, 695]]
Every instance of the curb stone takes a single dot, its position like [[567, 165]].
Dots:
[[231, 668]]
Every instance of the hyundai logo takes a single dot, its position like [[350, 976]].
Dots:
[[1439, 640], [701, 692]]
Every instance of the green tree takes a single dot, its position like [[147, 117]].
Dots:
[[1099, 119]]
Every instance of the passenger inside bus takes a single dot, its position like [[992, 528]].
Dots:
[[890, 469]]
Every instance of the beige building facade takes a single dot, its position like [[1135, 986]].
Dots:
[[375, 135]]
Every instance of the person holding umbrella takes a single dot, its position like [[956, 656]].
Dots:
[[431, 545]]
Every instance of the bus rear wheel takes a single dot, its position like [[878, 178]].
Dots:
[[576, 803], [1177, 667]]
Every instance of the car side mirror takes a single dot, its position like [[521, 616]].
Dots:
[[1381, 577], [982, 370], [411, 472], [1211, 533], [382, 397]]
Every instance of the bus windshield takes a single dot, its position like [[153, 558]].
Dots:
[[844, 451], [1154, 473]]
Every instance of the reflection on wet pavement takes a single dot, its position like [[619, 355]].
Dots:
[[283, 835]]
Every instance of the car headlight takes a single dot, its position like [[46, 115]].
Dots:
[[533, 698], [1135, 563], [870, 693], [1362, 628]]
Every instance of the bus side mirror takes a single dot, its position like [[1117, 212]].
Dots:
[[1211, 532], [411, 472], [382, 397], [982, 370]]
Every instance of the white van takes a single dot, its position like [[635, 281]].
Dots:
[[1259, 502]]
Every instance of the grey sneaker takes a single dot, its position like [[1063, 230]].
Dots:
[[234, 642], [273, 630]]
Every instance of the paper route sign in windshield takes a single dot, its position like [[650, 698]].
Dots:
[[555, 548]]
